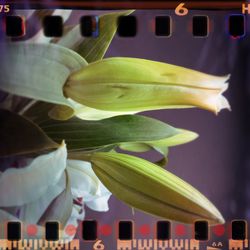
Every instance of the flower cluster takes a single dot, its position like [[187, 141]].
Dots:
[[65, 110]]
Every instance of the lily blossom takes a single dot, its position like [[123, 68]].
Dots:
[[46, 175]]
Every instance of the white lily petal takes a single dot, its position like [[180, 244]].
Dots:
[[219, 101], [83, 181], [222, 103], [87, 185], [24, 185], [32, 212], [99, 204], [100, 201]]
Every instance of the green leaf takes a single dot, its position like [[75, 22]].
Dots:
[[130, 132], [162, 146], [164, 160], [87, 135], [137, 147], [93, 48], [60, 209], [20, 136], [38, 71], [183, 136]]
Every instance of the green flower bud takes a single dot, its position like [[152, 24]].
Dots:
[[135, 85], [152, 189]]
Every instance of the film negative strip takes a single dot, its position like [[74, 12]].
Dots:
[[91, 231], [127, 26], [15, 26], [124, 125]]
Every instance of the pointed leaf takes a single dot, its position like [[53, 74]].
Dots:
[[130, 132], [86, 135], [93, 48], [183, 136]]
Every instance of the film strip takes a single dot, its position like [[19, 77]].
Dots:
[[160, 4], [90, 230], [127, 26]]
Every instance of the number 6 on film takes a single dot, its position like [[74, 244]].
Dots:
[[181, 10], [98, 245]]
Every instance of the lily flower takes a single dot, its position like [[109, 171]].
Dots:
[[121, 86], [135, 85], [152, 189], [46, 175], [87, 185]]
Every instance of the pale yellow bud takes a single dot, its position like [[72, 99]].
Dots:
[[135, 85]]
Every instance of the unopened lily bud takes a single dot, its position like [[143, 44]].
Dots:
[[135, 85], [152, 189]]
